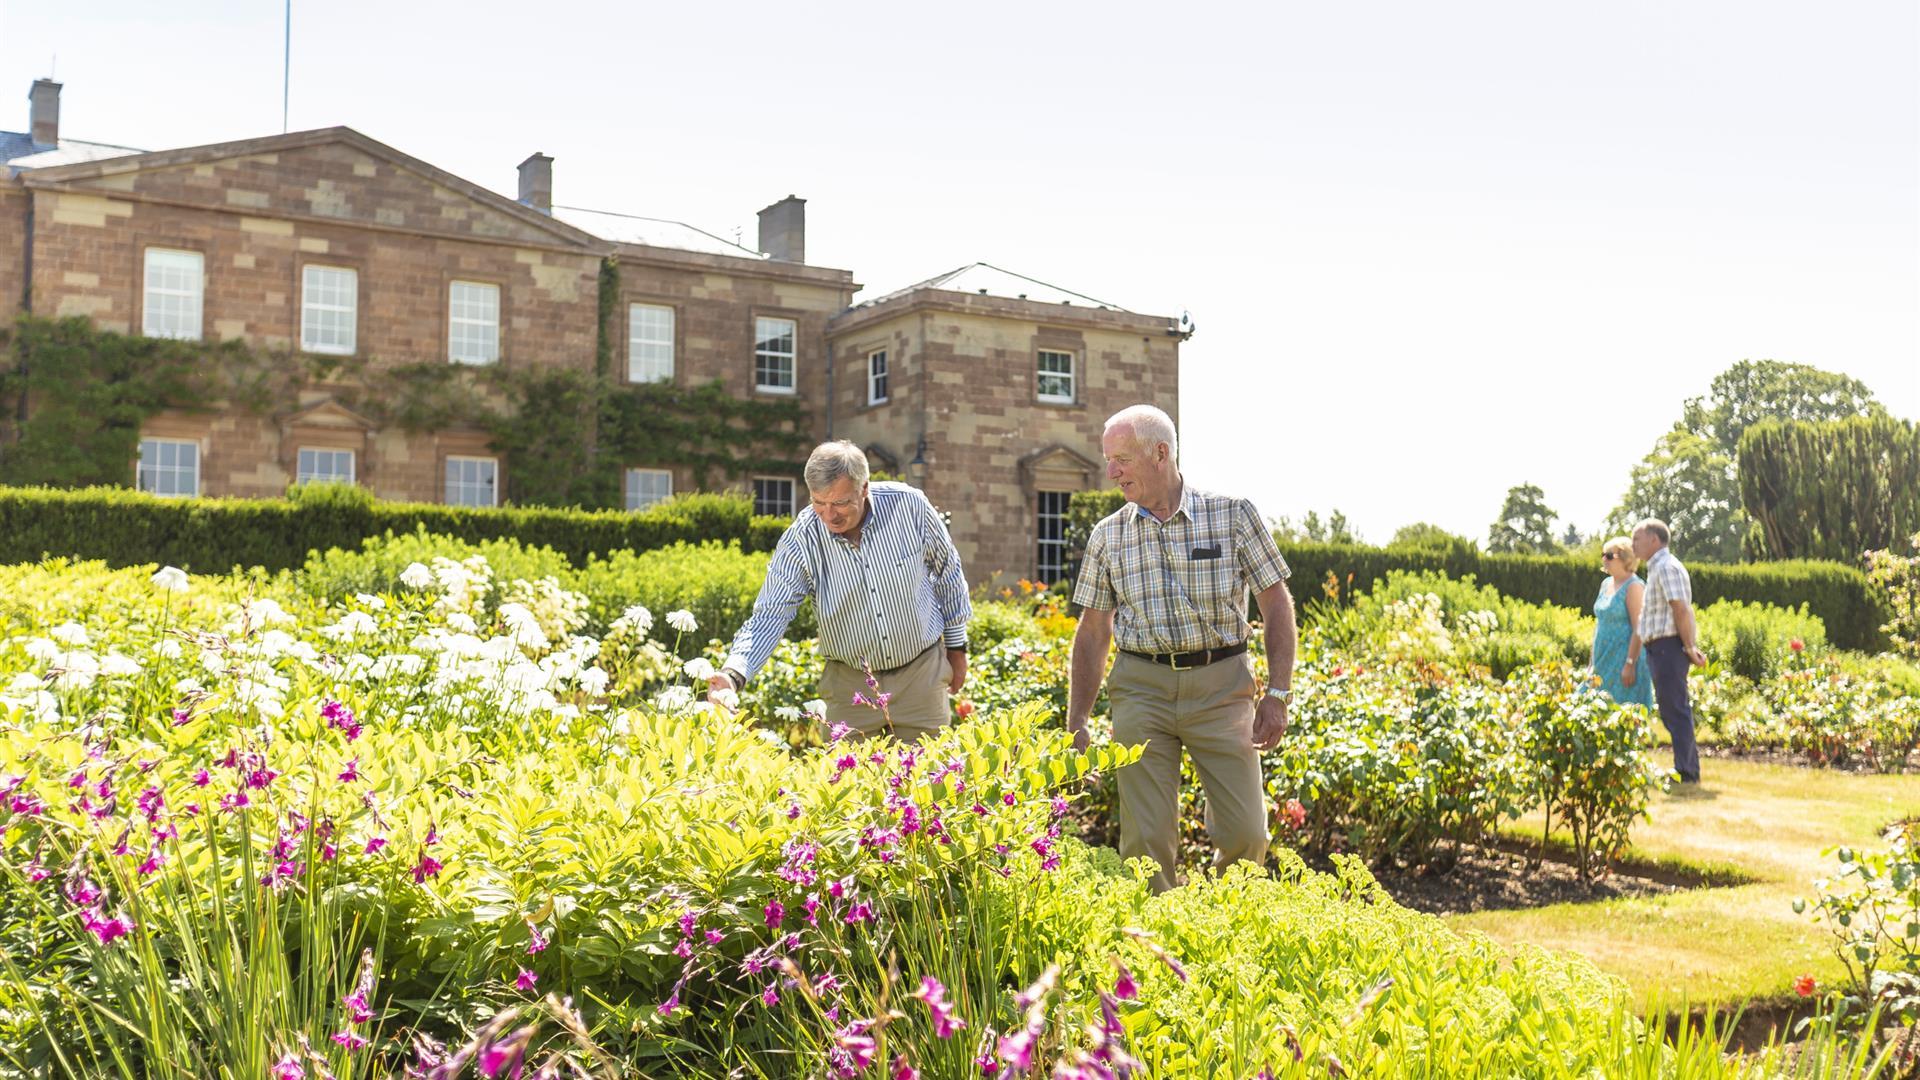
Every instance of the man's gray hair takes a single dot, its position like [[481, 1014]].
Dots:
[[832, 460], [1150, 427]]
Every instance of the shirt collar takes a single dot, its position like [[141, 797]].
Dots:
[[867, 521], [1185, 507]]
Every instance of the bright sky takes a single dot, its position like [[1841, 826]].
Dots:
[[1432, 250]]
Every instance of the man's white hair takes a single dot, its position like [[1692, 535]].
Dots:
[[1150, 427]]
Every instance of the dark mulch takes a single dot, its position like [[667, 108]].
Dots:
[[1795, 758], [1493, 880]]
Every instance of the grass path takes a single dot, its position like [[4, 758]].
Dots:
[[1723, 945]]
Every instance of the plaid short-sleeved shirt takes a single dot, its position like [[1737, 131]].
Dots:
[[1180, 585], [1667, 581]]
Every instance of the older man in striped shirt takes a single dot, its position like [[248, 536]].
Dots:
[[890, 592]]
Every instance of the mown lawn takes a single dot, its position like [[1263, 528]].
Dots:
[[1721, 946]]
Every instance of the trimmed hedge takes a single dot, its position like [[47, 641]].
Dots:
[[128, 528], [1840, 595]]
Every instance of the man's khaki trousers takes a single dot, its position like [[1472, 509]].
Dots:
[[1208, 711], [918, 706]]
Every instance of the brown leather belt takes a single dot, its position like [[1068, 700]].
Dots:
[[1182, 661]]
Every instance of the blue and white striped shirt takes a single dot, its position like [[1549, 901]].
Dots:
[[885, 602]]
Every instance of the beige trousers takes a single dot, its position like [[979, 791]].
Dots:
[[1208, 711], [918, 706]]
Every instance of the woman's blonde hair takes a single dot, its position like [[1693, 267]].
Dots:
[[1622, 548]]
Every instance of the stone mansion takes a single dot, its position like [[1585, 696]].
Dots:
[[986, 388]]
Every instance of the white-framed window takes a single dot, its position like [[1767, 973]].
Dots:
[[321, 466], [645, 487], [1056, 376], [649, 343], [472, 481], [773, 355], [773, 495], [175, 286], [169, 467], [329, 309], [473, 322], [876, 377], [1050, 529]]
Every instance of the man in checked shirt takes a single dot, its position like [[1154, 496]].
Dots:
[[1168, 575], [887, 583]]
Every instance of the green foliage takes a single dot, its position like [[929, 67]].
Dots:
[[127, 528], [1830, 490], [1424, 536], [1872, 910], [1430, 617], [1334, 530], [1755, 640], [1525, 524], [1896, 577], [1836, 709], [1587, 756]]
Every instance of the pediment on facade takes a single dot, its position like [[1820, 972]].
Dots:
[[328, 414], [880, 459], [330, 174], [1057, 468]]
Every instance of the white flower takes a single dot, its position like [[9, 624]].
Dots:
[[816, 707], [377, 603], [673, 699], [637, 619], [171, 578], [351, 625], [726, 697], [70, 632], [116, 665], [416, 576], [682, 621], [594, 680], [168, 647], [787, 712], [463, 622], [698, 668]]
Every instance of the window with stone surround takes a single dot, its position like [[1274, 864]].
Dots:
[[649, 343], [175, 285], [329, 309], [877, 377], [646, 487], [773, 495], [1050, 530], [773, 355], [323, 466], [472, 481], [473, 322], [1056, 377], [169, 467]]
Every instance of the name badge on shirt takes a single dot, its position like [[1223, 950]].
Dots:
[[1206, 553]]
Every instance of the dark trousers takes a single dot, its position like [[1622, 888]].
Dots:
[[1667, 662]]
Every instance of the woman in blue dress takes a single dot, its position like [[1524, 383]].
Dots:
[[1616, 638]]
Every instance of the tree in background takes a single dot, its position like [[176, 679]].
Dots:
[[1525, 525], [1311, 530], [1426, 536], [1691, 480], [1830, 490]]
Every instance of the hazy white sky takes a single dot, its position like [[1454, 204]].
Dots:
[[1432, 250]]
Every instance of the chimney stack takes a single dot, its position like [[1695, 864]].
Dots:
[[46, 112], [536, 182], [783, 230]]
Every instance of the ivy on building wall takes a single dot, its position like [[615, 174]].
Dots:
[[75, 398]]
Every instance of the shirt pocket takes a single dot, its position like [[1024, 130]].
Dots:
[[1215, 579]]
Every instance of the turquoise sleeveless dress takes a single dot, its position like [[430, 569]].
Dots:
[[1610, 640]]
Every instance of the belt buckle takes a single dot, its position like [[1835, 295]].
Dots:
[[1173, 661]]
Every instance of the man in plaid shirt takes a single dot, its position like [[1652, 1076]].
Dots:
[[1167, 575], [1669, 638]]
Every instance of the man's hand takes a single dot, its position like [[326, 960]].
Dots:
[[1079, 737], [1628, 672], [957, 658], [720, 691], [1696, 657], [1269, 722]]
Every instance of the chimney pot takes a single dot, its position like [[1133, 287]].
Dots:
[[45, 97], [536, 182], [783, 230]]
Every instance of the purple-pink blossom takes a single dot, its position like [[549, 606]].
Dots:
[[427, 867], [945, 1022], [776, 912], [288, 1068], [350, 1039], [526, 980], [352, 772]]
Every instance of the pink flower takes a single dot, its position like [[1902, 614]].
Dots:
[[1009, 798], [986, 1064], [155, 860], [1017, 1050], [1797, 645], [771, 995], [666, 1007], [150, 801], [535, 942], [838, 732], [341, 717], [945, 1023], [78, 780], [1295, 812], [526, 980], [852, 1051], [715, 937], [352, 772], [776, 912], [349, 1039], [107, 930], [261, 777], [427, 867], [683, 948], [288, 1068], [859, 913], [1124, 987], [356, 1005], [1804, 986], [233, 802], [201, 778], [902, 1070], [182, 716], [374, 845]]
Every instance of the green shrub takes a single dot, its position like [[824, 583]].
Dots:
[[129, 528], [717, 582], [1755, 640], [995, 621]]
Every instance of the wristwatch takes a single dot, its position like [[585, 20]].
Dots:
[[1282, 694]]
